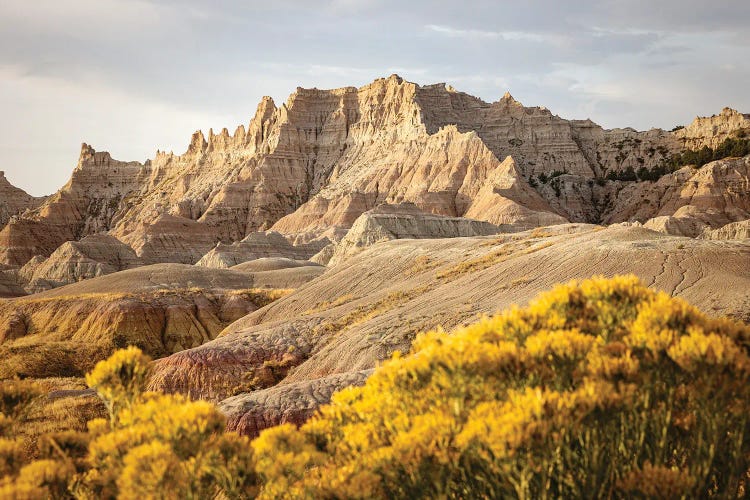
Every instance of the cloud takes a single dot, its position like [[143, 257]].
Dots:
[[502, 35]]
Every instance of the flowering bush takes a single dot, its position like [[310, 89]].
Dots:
[[156, 444], [597, 389]]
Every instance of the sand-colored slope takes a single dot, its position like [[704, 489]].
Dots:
[[374, 303], [162, 309]]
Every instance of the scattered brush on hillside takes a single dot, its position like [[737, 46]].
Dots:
[[599, 389], [731, 147]]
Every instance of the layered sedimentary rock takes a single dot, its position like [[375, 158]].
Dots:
[[87, 204], [405, 220], [688, 201], [92, 256], [258, 245], [733, 231], [14, 201], [162, 309], [10, 284], [320, 160], [507, 200], [711, 131], [358, 313], [251, 412]]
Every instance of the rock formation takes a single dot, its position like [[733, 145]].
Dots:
[[713, 130], [688, 201], [87, 204], [251, 412], [92, 256], [162, 309], [10, 284], [320, 160], [733, 231], [14, 201], [258, 245], [405, 220]]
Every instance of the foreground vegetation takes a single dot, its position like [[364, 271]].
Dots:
[[598, 389]]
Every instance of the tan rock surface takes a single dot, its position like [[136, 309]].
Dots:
[[87, 204], [258, 245], [713, 130], [359, 312], [251, 412], [14, 201], [92, 256], [733, 231], [271, 264], [9, 284], [507, 200], [162, 309], [404, 221], [689, 200]]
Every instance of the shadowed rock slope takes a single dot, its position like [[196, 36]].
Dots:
[[374, 303]]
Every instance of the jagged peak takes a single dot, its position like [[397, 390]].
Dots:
[[86, 149], [198, 142], [508, 99]]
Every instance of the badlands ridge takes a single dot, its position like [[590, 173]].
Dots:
[[271, 266]]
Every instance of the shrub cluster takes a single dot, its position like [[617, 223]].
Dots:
[[731, 146], [151, 446]]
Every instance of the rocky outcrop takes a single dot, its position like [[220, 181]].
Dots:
[[251, 412], [87, 204], [14, 201], [508, 201], [688, 201], [733, 231], [405, 220], [713, 130], [162, 309], [94, 255], [256, 246], [10, 284]]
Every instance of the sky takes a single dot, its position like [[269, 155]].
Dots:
[[134, 76]]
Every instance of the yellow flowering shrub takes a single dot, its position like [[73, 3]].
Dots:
[[601, 388], [158, 445], [120, 379]]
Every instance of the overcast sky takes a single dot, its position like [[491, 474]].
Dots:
[[131, 76]]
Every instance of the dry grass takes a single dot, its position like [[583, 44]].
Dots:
[[480, 263], [368, 311], [422, 264], [31, 357], [329, 304], [48, 416]]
